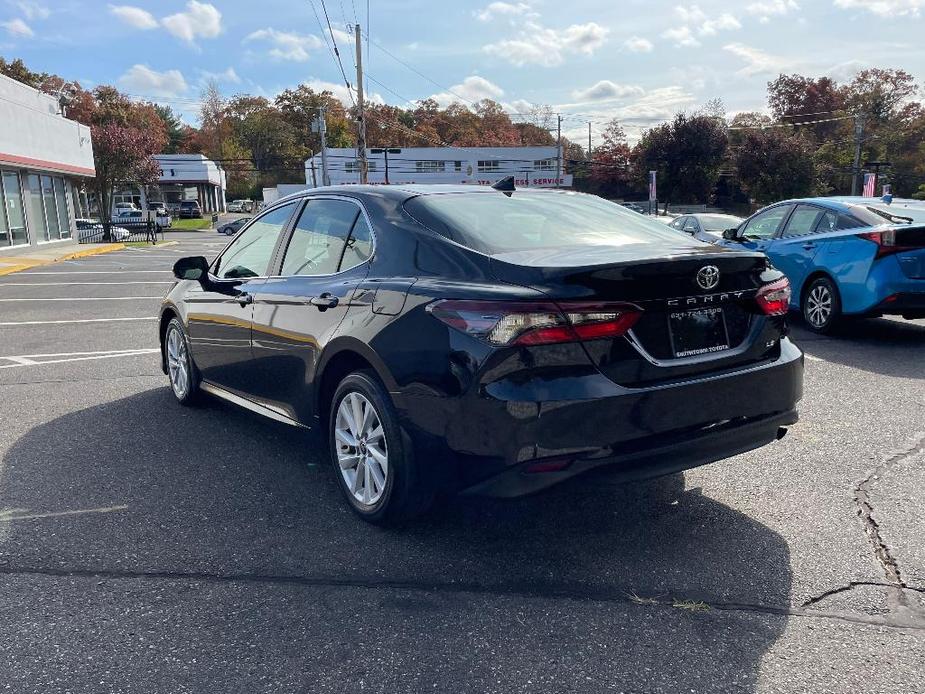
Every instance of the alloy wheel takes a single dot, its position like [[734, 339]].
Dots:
[[362, 452], [819, 306], [177, 363]]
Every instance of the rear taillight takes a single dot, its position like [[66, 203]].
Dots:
[[774, 298], [504, 323], [890, 241]]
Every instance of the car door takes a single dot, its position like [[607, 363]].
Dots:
[[219, 314], [797, 244], [757, 231], [298, 311]]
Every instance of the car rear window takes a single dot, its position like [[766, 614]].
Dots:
[[497, 222]]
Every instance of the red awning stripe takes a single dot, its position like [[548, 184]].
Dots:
[[29, 162]]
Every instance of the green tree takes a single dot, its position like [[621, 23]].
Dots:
[[173, 127], [774, 165]]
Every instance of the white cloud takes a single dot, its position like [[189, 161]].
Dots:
[[502, 9], [520, 106], [637, 44], [142, 80], [340, 92], [229, 76], [845, 72], [538, 45], [885, 8], [287, 45], [472, 89], [33, 10], [725, 22], [606, 90], [134, 16], [200, 20], [681, 36], [17, 27], [757, 62], [765, 9], [690, 15]]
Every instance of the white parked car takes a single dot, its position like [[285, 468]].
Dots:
[[162, 221], [91, 230], [241, 206]]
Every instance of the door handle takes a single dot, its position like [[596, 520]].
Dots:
[[244, 299], [324, 301], [808, 246]]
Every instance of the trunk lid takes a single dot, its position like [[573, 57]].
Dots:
[[698, 305]]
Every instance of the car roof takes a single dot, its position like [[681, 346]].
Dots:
[[401, 192]]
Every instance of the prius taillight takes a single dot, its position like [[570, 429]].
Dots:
[[890, 241], [505, 323]]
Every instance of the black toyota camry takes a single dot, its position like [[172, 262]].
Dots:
[[450, 338]]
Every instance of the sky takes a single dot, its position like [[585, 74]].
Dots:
[[637, 60]]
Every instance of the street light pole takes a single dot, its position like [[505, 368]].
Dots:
[[386, 151], [361, 139]]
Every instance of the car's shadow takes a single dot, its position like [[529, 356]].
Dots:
[[891, 347], [216, 490]]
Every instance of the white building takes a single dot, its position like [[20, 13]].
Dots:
[[183, 177], [530, 166], [45, 160]]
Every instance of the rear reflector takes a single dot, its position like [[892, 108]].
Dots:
[[774, 298], [890, 241], [505, 323]]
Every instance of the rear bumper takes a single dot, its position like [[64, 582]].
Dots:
[[902, 304], [662, 455], [587, 420]]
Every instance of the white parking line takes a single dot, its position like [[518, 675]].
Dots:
[[89, 298], [32, 359], [75, 320], [16, 514]]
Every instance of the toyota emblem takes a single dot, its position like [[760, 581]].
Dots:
[[708, 277]]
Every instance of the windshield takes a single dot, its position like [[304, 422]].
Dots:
[[718, 222], [499, 223]]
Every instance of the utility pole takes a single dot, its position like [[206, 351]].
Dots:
[[320, 126], [314, 177], [361, 139], [589, 141], [558, 148], [856, 167]]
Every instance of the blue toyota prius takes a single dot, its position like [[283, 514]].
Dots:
[[847, 256]]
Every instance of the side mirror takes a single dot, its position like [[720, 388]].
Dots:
[[193, 268], [731, 234]]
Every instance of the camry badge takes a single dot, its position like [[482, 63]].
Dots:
[[708, 277]]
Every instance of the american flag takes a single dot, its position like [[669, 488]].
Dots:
[[870, 185]]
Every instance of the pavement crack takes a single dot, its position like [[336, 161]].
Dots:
[[862, 498], [578, 592]]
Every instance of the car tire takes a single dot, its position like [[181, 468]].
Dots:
[[373, 459], [181, 370], [821, 306]]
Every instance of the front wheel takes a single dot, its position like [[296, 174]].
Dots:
[[373, 459], [184, 379], [821, 305]]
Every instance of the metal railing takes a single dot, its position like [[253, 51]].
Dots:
[[122, 231]]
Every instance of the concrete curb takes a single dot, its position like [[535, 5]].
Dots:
[[25, 263]]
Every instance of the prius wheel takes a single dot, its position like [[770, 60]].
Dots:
[[184, 380], [372, 457], [821, 305]]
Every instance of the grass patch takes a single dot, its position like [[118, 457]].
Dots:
[[639, 600], [191, 224], [691, 605]]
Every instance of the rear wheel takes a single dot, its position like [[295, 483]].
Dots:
[[184, 379], [821, 305], [372, 458]]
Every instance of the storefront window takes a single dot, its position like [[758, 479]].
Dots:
[[36, 208], [51, 209], [61, 203], [12, 203]]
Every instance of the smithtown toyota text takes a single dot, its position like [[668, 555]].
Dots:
[[498, 341]]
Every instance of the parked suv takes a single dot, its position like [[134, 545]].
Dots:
[[190, 209]]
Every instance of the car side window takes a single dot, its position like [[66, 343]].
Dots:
[[319, 237], [846, 221], [803, 221], [765, 224], [359, 246], [678, 223], [690, 225], [826, 222], [250, 254]]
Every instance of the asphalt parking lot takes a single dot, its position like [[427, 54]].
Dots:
[[148, 547]]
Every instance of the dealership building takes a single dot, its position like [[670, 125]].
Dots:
[[531, 166], [46, 160], [183, 177]]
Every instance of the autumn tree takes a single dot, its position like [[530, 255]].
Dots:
[[611, 162], [774, 165]]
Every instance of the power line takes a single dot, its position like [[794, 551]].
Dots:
[[340, 63]]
